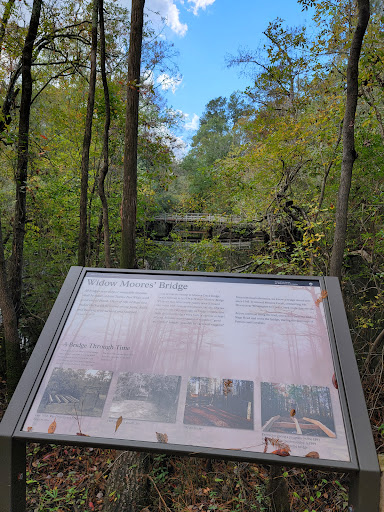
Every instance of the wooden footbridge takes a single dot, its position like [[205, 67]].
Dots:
[[201, 217], [292, 424], [233, 231]]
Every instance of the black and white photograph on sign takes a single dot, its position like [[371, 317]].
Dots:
[[141, 396], [76, 392], [219, 403], [293, 409]]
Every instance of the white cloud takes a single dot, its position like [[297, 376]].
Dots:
[[200, 4], [148, 77], [168, 10], [193, 124], [168, 82]]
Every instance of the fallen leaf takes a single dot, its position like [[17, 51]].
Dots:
[[29, 429], [281, 453], [118, 423], [323, 295], [334, 381], [52, 427], [81, 434], [292, 413], [313, 455], [227, 386], [161, 438]]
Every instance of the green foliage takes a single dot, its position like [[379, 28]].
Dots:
[[62, 478]]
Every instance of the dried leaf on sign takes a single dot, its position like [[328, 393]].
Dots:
[[52, 427], [118, 422], [323, 295], [161, 438], [313, 455]]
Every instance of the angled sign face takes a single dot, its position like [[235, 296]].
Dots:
[[244, 365]]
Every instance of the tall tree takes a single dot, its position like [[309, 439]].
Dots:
[[10, 292], [11, 333], [87, 140], [104, 169], [21, 174], [129, 201], [349, 152]]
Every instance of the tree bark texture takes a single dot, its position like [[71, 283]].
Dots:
[[128, 487], [104, 169], [11, 333], [278, 490], [349, 152], [129, 201], [4, 21], [82, 248], [21, 174]]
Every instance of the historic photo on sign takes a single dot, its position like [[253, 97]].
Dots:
[[147, 397], [293, 409], [76, 392], [219, 403]]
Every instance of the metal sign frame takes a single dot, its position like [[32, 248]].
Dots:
[[363, 466]]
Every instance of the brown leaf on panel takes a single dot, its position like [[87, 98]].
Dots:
[[227, 386], [161, 438], [313, 455], [334, 382], [292, 413], [281, 453], [52, 427], [81, 434], [276, 443], [323, 295], [118, 422]]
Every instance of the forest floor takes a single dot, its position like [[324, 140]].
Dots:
[[75, 479]]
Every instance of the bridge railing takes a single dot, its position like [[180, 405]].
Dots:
[[203, 217]]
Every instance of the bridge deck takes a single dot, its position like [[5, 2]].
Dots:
[[200, 217]]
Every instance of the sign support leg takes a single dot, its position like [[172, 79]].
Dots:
[[364, 492], [12, 475]]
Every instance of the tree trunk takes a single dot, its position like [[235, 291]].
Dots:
[[349, 152], [104, 169], [278, 490], [127, 489], [21, 174], [11, 333], [82, 250], [4, 21], [129, 201]]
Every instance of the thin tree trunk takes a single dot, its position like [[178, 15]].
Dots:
[[21, 174], [82, 250], [11, 333], [129, 201], [349, 152], [329, 167], [367, 93], [105, 168], [4, 21]]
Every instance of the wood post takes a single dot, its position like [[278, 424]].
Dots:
[[381, 464]]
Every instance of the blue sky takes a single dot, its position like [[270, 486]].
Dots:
[[204, 32]]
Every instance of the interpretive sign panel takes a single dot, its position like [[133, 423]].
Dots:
[[245, 367], [219, 363]]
